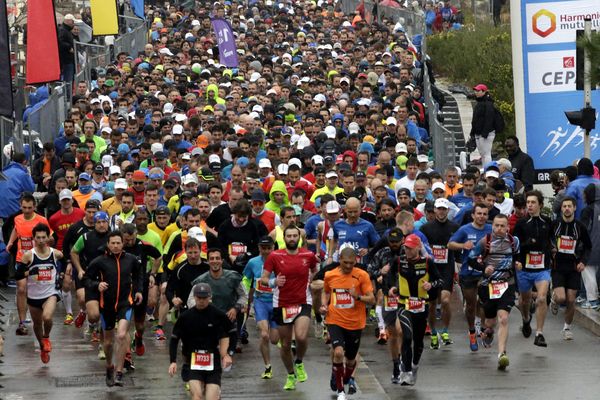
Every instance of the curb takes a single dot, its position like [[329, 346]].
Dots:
[[589, 319]]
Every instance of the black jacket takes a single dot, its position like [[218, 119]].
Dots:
[[483, 117], [123, 274], [65, 44], [522, 168], [37, 171]]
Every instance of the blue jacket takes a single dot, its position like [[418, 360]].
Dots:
[[575, 190], [18, 181]]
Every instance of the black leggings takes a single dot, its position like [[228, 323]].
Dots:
[[413, 332]]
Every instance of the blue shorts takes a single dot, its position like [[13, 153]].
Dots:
[[526, 280], [263, 311]]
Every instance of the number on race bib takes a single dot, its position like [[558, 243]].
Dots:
[[440, 254], [235, 249], [202, 360], [534, 260], [263, 288], [497, 289], [290, 313], [44, 275], [415, 305], [342, 298], [566, 245], [390, 303]]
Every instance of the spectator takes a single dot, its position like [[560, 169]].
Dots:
[[44, 167], [522, 164], [585, 176], [66, 48], [482, 125]]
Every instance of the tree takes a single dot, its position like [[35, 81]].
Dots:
[[592, 46]]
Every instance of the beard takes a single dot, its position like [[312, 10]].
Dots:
[[291, 245]]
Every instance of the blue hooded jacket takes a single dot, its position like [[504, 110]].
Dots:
[[18, 181]]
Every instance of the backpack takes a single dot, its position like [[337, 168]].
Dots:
[[499, 123]]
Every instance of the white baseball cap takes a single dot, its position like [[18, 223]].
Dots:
[[438, 185], [332, 207], [121, 183], [295, 161], [156, 147], [353, 127], [492, 173], [401, 148], [107, 161], [115, 169], [214, 158], [282, 169], [422, 158], [331, 132], [264, 163], [195, 232], [65, 194], [391, 121], [441, 203], [177, 129], [331, 174], [317, 159]]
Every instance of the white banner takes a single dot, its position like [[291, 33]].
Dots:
[[551, 71]]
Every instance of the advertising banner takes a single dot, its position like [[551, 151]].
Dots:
[[225, 42], [105, 20], [544, 60], [42, 60]]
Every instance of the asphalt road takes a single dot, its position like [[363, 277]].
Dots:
[[563, 370]]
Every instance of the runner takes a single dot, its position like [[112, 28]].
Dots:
[[204, 334], [495, 255], [292, 300], [411, 280], [263, 302], [438, 233], [346, 291], [118, 277], [571, 247], [22, 235], [39, 266], [464, 239], [535, 230], [60, 222]]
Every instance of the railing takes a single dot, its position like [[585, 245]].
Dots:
[[45, 122]]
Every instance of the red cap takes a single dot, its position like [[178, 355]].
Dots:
[[362, 75], [139, 175], [339, 159], [412, 241], [480, 86]]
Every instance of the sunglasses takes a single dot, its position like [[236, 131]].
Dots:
[[138, 183]]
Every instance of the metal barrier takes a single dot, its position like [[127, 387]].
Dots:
[[134, 40], [45, 122]]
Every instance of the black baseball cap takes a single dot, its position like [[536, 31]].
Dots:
[[202, 290], [162, 210], [266, 241], [395, 235]]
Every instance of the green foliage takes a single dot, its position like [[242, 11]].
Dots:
[[478, 54], [593, 47]]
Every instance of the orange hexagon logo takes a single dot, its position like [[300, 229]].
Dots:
[[542, 18]]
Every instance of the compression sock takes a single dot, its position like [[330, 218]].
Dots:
[[379, 313], [338, 372], [66, 297], [349, 371]]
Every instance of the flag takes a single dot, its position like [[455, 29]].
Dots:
[[105, 20], [138, 8], [6, 99], [225, 42], [42, 63]]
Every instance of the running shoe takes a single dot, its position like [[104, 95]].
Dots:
[[80, 319], [45, 356], [553, 306], [101, 354], [128, 362], [396, 379], [487, 337], [95, 336], [415, 369], [160, 334], [526, 328], [110, 376], [244, 336], [69, 319], [46, 345], [580, 300], [300, 372], [318, 329], [119, 378], [383, 338], [140, 349], [503, 361], [396, 373], [540, 340], [567, 334], [407, 379], [268, 374], [341, 396], [473, 342], [351, 386], [477, 326], [290, 382], [590, 305], [446, 339], [22, 330], [435, 343]]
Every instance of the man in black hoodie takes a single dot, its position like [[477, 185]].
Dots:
[[482, 125], [65, 48]]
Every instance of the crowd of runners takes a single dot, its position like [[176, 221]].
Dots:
[[182, 198]]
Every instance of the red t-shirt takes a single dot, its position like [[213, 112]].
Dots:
[[60, 224], [296, 269]]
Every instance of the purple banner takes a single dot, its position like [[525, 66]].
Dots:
[[226, 43]]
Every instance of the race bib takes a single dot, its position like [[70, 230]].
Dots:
[[440, 254], [290, 313], [390, 303], [342, 298], [263, 288], [534, 260], [26, 243], [566, 245], [44, 275], [415, 305], [202, 360], [497, 289], [235, 249]]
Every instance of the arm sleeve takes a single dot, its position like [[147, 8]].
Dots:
[[79, 244], [242, 294]]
